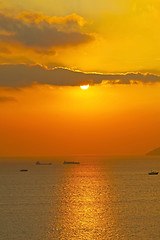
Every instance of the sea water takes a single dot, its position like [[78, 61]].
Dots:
[[100, 198]]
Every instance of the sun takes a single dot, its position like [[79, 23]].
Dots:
[[84, 87]]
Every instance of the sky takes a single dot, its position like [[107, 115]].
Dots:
[[49, 48]]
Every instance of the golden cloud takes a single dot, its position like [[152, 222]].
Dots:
[[22, 75], [38, 32], [39, 17]]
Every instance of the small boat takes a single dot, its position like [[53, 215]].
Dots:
[[153, 173], [23, 170], [66, 162], [39, 163]]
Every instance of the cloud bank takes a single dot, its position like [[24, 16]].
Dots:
[[21, 75], [4, 99], [35, 30]]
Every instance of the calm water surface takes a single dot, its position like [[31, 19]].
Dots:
[[102, 198]]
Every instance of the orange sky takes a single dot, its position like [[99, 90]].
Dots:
[[47, 52], [67, 120]]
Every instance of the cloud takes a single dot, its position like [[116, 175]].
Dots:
[[7, 99], [4, 50], [39, 17], [21, 75], [45, 32]]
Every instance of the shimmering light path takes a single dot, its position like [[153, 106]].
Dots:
[[100, 198]]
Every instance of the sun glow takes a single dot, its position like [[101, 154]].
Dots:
[[84, 87]]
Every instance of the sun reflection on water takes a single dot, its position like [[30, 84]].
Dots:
[[84, 206]]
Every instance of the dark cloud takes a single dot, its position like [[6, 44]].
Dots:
[[43, 34], [4, 50], [22, 75], [7, 99]]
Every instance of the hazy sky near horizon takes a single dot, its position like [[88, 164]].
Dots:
[[49, 48]]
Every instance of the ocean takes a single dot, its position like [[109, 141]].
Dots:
[[100, 198]]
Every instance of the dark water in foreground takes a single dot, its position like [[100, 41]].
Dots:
[[101, 198]]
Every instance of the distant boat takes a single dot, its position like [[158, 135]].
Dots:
[[23, 170], [66, 162], [39, 163], [153, 173]]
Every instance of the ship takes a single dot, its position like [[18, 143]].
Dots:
[[153, 173], [66, 162], [39, 163], [23, 170]]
